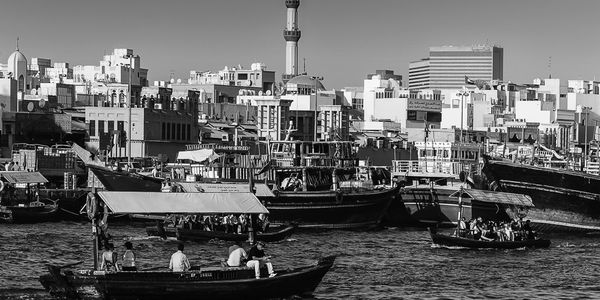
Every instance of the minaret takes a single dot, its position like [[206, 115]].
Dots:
[[291, 33]]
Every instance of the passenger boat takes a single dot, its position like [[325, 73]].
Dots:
[[125, 181], [565, 200], [210, 283], [514, 205], [184, 234], [455, 241], [21, 202]]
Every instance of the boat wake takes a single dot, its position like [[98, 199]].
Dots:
[[148, 238]]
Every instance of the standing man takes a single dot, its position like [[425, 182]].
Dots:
[[258, 258], [179, 262], [128, 258]]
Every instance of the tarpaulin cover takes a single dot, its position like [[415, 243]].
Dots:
[[182, 203], [87, 157], [23, 177], [198, 155], [495, 197], [262, 190]]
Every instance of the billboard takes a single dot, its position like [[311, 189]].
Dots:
[[424, 105]]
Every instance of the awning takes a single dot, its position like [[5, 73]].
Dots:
[[182, 203], [23, 177], [200, 155], [262, 190], [495, 197]]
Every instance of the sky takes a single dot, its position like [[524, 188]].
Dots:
[[342, 40]]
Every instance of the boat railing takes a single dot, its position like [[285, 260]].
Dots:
[[402, 167]]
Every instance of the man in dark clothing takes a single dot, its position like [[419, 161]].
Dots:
[[257, 258]]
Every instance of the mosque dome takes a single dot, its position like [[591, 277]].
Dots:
[[16, 57], [306, 81]]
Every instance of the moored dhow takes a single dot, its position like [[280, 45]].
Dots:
[[564, 200]]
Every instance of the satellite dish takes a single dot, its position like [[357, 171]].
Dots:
[[260, 93], [269, 93], [34, 92], [179, 81], [30, 106], [42, 102]]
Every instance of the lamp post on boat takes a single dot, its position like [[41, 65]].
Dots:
[[130, 56], [587, 110], [316, 79]]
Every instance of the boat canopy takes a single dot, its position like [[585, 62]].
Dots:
[[428, 175], [494, 197], [23, 177], [182, 203], [199, 155], [262, 190]]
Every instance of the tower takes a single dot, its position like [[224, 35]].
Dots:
[[291, 34]]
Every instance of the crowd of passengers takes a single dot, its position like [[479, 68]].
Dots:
[[514, 230], [223, 223]]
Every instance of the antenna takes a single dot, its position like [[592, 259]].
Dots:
[[304, 59], [17, 43], [550, 67], [172, 72]]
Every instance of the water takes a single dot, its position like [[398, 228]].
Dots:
[[386, 264]]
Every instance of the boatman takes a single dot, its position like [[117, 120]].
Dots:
[[258, 258], [179, 262]]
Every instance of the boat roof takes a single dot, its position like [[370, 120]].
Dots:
[[494, 197], [182, 203], [23, 177], [262, 190], [200, 155]]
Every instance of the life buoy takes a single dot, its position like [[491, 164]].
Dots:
[[91, 206]]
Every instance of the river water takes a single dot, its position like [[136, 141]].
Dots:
[[387, 264]]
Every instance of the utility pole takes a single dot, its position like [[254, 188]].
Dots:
[[316, 79]]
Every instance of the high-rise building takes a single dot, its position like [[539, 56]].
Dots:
[[447, 67]]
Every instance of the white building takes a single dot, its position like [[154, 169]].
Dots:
[[114, 68], [256, 76]]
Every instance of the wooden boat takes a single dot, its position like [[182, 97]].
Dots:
[[206, 283], [125, 181], [273, 235], [453, 241], [33, 212], [21, 201], [210, 283], [513, 204]]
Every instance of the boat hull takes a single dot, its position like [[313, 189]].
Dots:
[[217, 283], [330, 209], [32, 214], [124, 181], [564, 200], [450, 241], [423, 207]]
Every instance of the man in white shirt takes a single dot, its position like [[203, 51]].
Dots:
[[179, 262], [236, 256]]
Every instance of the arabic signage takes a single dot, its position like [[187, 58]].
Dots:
[[424, 105]]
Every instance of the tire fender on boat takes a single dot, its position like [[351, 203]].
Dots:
[[1, 185], [91, 206], [494, 186]]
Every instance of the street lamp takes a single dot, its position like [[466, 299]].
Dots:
[[463, 93], [130, 56], [316, 80]]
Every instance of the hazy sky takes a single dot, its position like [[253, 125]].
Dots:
[[342, 40]]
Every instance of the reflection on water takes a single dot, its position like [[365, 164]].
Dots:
[[371, 265]]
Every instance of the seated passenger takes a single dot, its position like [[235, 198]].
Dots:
[[462, 227], [129, 258], [257, 258], [237, 255], [179, 262], [109, 259]]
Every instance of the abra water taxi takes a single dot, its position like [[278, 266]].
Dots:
[[208, 283], [508, 204]]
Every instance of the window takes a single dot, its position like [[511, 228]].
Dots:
[[242, 76], [92, 128], [178, 132], [168, 135], [173, 136], [189, 132], [163, 131], [183, 136], [100, 127], [121, 125], [111, 126]]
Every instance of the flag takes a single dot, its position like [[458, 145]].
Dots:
[[468, 81]]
